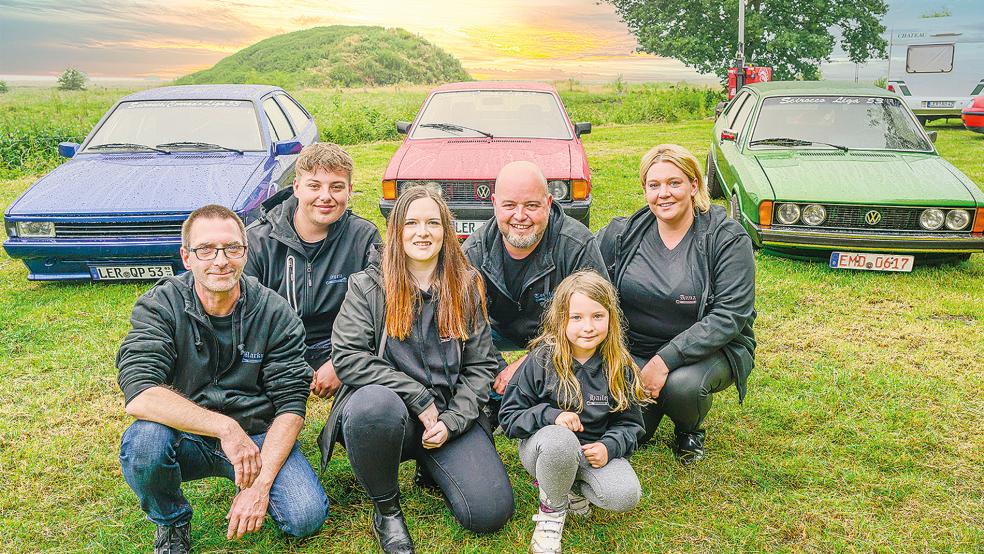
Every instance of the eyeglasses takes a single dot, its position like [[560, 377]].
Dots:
[[208, 253]]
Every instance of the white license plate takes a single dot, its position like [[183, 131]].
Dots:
[[128, 272], [939, 104], [871, 262], [467, 227]]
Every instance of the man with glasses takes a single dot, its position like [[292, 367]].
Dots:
[[308, 245], [213, 371]]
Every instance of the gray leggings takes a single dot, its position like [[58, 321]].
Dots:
[[553, 456]]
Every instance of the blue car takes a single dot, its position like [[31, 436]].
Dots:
[[114, 210]]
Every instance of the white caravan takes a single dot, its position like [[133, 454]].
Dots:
[[936, 72]]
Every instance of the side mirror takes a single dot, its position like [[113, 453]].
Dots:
[[68, 149], [719, 108], [286, 147], [583, 128], [729, 134], [932, 136], [403, 127]]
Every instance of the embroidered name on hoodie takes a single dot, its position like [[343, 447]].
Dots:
[[597, 400], [686, 299], [252, 357], [335, 279]]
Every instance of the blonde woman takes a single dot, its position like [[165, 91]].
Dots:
[[574, 405], [685, 276]]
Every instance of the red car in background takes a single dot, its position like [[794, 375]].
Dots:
[[466, 132], [973, 115]]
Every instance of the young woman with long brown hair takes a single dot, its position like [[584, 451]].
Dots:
[[412, 347]]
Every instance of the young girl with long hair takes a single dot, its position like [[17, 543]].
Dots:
[[574, 405], [412, 347]]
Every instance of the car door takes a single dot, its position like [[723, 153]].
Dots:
[[304, 126], [729, 151], [282, 167]]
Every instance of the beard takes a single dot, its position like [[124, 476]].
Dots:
[[522, 241]]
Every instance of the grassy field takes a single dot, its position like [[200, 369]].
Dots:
[[860, 433]]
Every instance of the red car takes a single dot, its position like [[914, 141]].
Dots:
[[973, 115], [466, 132]]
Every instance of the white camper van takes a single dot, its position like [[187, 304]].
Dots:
[[937, 73]]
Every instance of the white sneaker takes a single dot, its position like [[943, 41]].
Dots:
[[547, 533], [577, 504]]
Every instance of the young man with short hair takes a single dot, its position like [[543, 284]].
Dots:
[[213, 371], [306, 247]]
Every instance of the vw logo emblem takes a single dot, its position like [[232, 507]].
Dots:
[[483, 191], [872, 217]]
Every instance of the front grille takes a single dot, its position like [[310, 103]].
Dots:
[[458, 191], [847, 217], [119, 229]]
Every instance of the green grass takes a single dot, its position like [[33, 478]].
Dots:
[[860, 433]]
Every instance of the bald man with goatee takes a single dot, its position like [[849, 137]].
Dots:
[[523, 253]]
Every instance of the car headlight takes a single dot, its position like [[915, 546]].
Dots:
[[931, 219], [957, 219], [814, 214], [788, 213], [35, 229], [558, 189]]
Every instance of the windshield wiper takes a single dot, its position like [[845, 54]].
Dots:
[[129, 145], [454, 127], [785, 141], [194, 144]]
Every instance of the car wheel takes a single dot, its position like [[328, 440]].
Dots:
[[713, 186]]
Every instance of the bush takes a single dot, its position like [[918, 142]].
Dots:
[[72, 79], [3, 87]]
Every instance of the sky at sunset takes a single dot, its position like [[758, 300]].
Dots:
[[546, 39], [507, 39]]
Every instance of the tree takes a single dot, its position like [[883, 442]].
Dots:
[[791, 36], [72, 79]]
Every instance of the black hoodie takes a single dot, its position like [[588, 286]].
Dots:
[[172, 343], [532, 402], [726, 284], [566, 247], [314, 287]]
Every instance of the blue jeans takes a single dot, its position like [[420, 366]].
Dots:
[[156, 459]]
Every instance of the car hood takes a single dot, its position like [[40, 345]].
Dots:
[[864, 178], [138, 184], [481, 159]]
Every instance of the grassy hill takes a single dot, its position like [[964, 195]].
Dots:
[[336, 56]]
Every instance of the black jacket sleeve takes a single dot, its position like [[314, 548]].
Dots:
[[732, 281], [478, 365], [355, 347], [147, 355], [286, 376], [589, 258], [526, 405], [624, 429], [255, 254]]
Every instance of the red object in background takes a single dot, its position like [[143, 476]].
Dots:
[[753, 74], [973, 115]]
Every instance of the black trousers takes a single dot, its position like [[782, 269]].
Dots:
[[378, 433], [686, 397]]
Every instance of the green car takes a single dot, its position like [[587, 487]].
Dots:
[[842, 172]]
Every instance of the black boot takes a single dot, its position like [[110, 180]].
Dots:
[[689, 447], [173, 539], [390, 527], [422, 478]]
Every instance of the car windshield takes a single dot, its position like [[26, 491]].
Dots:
[[225, 123], [854, 122], [499, 113]]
